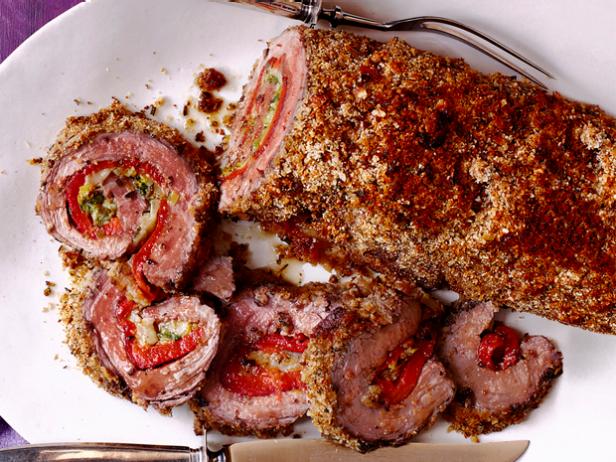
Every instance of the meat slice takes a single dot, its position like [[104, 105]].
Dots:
[[117, 183], [416, 165], [371, 376], [254, 385], [494, 393], [216, 277], [162, 352]]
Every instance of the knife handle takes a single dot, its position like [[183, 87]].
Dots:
[[101, 452]]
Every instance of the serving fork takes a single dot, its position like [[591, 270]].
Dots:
[[311, 11]]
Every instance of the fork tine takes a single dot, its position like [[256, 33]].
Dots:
[[423, 20], [453, 33]]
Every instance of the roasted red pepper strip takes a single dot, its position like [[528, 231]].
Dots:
[[395, 391], [499, 349], [141, 257], [257, 381], [273, 63], [278, 342], [82, 221], [147, 357], [244, 377], [123, 311], [512, 352]]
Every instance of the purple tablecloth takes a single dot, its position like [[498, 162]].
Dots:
[[8, 436], [18, 20]]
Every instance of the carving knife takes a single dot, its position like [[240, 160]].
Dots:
[[282, 450]]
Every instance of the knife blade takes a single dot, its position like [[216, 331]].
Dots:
[[288, 450], [320, 450]]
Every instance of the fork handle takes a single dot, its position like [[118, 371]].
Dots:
[[336, 16]]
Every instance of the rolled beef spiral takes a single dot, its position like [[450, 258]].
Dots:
[[501, 376], [371, 374], [161, 352], [254, 386], [116, 183]]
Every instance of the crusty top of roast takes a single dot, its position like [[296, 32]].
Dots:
[[431, 125]]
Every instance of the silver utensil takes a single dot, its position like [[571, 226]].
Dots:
[[266, 451], [311, 11]]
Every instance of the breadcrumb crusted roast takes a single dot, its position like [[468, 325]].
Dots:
[[416, 165]]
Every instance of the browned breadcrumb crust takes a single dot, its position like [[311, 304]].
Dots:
[[209, 103], [471, 422], [417, 165], [208, 81], [364, 309], [117, 118], [79, 335]]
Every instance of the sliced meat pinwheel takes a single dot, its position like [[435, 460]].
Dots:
[[118, 183], [500, 375], [372, 378], [161, 351], [254, 386]]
